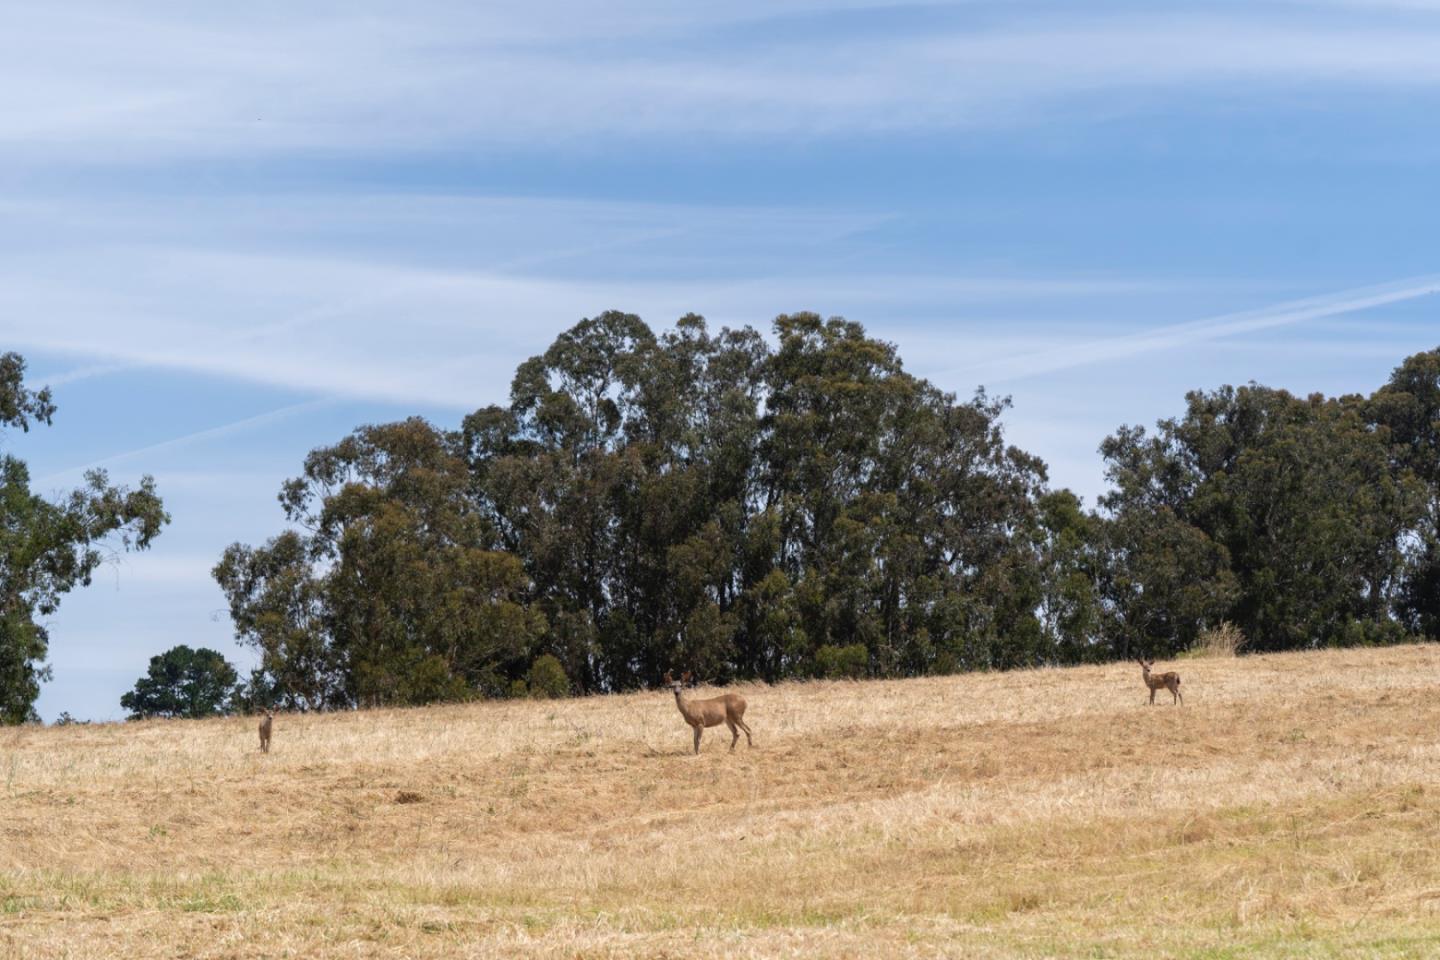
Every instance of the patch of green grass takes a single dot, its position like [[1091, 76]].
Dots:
[[227, 903], [12, 904]]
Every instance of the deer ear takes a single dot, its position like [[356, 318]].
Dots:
[[668, 678], [686, 678]]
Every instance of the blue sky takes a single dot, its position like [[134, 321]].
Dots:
[[230, 235]]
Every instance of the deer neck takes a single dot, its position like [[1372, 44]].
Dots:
[[685, 709]]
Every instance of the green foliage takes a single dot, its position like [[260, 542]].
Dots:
[[19, 406], [185, 683], [740, 508], [1407, 410], [258, 693], [47, 548], [707, 500], [393, 595], [849, 662], [647, 501], [1071, 613], [1284, 515], [546, 678]]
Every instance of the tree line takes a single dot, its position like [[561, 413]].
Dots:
[[770, 508], [801, 506]]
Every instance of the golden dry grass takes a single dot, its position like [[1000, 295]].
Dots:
[[1225, 640], [1289, 809]]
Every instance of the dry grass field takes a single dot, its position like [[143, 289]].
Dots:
[[1291, 808]]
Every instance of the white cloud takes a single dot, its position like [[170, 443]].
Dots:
[[198, 436], [158, 570], [409, 334], [162, 80], [1180, 335], [433, 300]]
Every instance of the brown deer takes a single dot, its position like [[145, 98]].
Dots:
[[1167, 681], [728, 708], [265, 725]]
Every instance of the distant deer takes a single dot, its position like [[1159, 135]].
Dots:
[[1168, 681], [265, 725], [728, 708]]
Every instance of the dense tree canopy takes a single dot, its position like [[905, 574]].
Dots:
[[1281, 514], [644, 500], [752, 507], [393, 593], [1407, 409], [183, 682], [47, 548]]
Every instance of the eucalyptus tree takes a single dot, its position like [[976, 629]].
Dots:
[[711, 498], [1407, 408], [49, 547], [388, 590], [897, 508], [1282, 514]]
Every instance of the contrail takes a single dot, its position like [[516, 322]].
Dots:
[[339, 307], [209, 433], [1198, 331], [85, 373]]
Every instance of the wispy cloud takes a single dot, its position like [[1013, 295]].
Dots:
[[199, 436], [186, 80], [158, 571], [85, 372], [1180, 335], [435, 337], [433, 300]]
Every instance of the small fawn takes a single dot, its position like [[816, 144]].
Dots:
[[265, 725], [1168, 681], [728, 708]]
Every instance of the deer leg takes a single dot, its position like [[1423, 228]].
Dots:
[[1178, 698], [734, 734], [748, 741], [1152, 696], [697, 740]]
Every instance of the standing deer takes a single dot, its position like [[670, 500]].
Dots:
[[265, 725], [728, 708], [1169, 681]]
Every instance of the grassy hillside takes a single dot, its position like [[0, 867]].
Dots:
[[1290, 808]]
